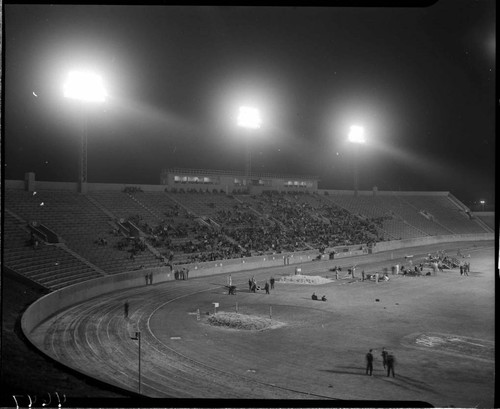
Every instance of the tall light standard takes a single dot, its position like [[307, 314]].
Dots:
[[357, 138], [84, 86], [248, 118], [138, 338], [483, 202]]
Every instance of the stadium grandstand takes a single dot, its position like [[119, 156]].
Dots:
[[75, 246], [117, 228]]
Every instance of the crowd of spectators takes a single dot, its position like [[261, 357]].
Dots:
[[265, 224]]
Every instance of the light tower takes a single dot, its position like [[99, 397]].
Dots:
[[248, 118], [357, 138], [86, 87]]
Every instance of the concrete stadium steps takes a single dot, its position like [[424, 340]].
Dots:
[[407, 210], [16, 234], [49, 266], [122, 205], [95, 338], [313, 200], [369, 206], [489, 220], [200, 203], [447, 213], [71, 216]]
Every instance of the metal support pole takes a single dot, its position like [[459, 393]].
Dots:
[[355, 170], [139, 336], [83, 159], [248, 159], [83, 154]]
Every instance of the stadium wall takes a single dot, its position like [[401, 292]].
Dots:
[[424, 241], [376, 192]]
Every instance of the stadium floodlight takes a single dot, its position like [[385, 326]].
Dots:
[[249, 117], [357, 134], [85, 86]]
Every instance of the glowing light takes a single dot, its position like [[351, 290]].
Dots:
[[249, 118], [84, 86], [357, 134]]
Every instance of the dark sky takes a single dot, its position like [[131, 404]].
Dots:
[[420, 80]]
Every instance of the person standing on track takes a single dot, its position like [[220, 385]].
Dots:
[[390, 364], [266, 287], [369, 363], [384, 357], [125, 309]]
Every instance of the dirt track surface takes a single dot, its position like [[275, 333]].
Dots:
[[318, 354]]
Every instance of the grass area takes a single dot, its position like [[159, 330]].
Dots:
[[237, 321]]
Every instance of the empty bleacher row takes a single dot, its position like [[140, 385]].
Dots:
[[185, 227], [49, 265]]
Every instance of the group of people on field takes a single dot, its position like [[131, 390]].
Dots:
[[388, 361]]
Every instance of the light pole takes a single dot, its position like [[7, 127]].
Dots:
[[357, 138], [483, 202], [138, 338], [85, 87], [248, 118]]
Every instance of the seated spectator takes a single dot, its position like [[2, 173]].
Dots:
[[314, 297], [323, 298]]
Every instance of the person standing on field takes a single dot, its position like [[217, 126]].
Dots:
[[390, 364], [384, 357], [369, 362]]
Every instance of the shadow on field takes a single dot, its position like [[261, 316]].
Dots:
[[355, 371], [402, 381], [413, 383]]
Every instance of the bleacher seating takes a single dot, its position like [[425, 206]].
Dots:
[[193, 227], [80, 224], [445, 212], [487, 219], [49, 265]]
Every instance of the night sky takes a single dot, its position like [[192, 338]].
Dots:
[[420, 80]]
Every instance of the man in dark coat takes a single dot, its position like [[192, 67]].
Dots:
[[384, 357], [266, 287], [369, 363], [390, 364]]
